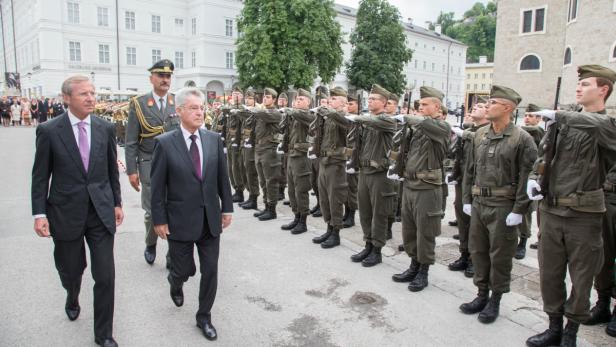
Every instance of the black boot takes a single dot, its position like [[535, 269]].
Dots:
[[460, 264], [281, 193], [520, 252], [333, 240], [301, 226], [534, 245], [363, 254], [349, 221], [477, 305], [270, 212], [316, 211], [251, 204], [550, 337], [373, 258], [600, 313], [490, 312], [456, 236], [611, 326], [390, 222], [470, 269], [570, 334], [409, 274], [238, 196], [421, 280], [453, 223], [259, 213], [292, 224], [324, 236], [400, 248], [346, 215]]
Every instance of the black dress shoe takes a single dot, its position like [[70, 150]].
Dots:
[[71, 307], [168, 264], [453, 223], [72, 311], [208, 330], [176, 292], [150, 254], [107, 342]]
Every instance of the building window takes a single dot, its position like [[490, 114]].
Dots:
[[444, 68], [533, 20], [415, 64], [156, 56], [483, 86], [573, 10], [131, 56], [193, 26], [476, 75], [468, 87], [155, 24], [530, 62], [74, 49], [193, 59], [73, 12], [424, 65], [229, 60], [102, 13], [567, 60], [432, 66], [468, 76], [483, 76], [179, 26], [103, 54], [179, 60], [129, 20], [475, 86], [229, 27], [613, 53]]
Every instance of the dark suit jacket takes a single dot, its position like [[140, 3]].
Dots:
[[179, 198], [71, 188]]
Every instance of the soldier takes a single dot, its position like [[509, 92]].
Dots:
[[376, 193], [321, 95], [268, 161], [572, 172], [283, 103], [247, 152], [149, 116], [350, 207], [333, 188], [479, 120], [421, 200], [391, 110], [498, 164], [233, 142], [298, 164]]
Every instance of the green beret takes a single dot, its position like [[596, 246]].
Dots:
[[237, 89], [338, 91], [270, 91], [304, 92], [283, 95], [505, 93], [393, 97], [249, 93], [162, 66], [586, 71], [429, 92], [377, 89], [532, 108]]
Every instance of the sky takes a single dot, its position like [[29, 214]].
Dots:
[[424, 10]]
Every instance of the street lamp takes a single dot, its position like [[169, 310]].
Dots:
[[92, 74]]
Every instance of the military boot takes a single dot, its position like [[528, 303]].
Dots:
[[349, 221], [324, 236], [490, 312], [250, 204], [238, 196], [570, 334], [301, 226], [421, 280], [534, 245], [611, 326], [346, 214], [259, 213], [333, 240], [270, 212], [292, 224], [600, 313], [316, 211], [477, 305], [373, 258], [520, 252], [390, 222], [460, 264], [400, 248], [363, 254], [409, 274], [550, 337], [470, 269]]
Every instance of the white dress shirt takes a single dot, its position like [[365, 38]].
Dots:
[[157, 100]]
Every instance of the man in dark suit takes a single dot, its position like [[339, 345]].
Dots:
[[191, 201], [82, 201]]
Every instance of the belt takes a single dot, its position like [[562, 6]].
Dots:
[[372, 163], [582, 199], [609, 187], [427, 175], [493, 191], [331, 152]]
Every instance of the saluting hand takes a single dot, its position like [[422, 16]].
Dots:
[[41, 227]]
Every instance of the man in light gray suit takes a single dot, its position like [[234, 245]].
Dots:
[[191, 201]]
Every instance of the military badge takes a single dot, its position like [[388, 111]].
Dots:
[[150, 102]]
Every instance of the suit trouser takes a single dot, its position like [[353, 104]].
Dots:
[[463, 220], [235, 167], [376, 195], [421, 222], [250, 170], [268, 167], [146, 201], [574, 243], [70, 259], [353, 181], [182, 256], [298, 178], [492, 244], [333, 190], [605, 283]]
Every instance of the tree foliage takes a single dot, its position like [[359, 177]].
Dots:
[[379, 47], [285, 43]]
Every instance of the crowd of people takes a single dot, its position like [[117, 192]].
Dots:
[[21, 111]]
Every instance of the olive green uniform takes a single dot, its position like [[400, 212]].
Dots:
[[247, 153], [145, 122], [495, 184], [267, 160], [526, 226], [233, 142], [298, 164], [605, 281]]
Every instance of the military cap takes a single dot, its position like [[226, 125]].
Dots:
[[338, 91], [283, 95], [352, 97], [250, 93], [322, 91], [377, 89], [482, 99], [304, 92], [429, 92], [393, 97], [237, 89], [270, 91], [505, 93], [162, 66], [586, 71], [444, 109], [532, 108]]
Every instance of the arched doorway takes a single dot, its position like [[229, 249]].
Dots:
[[214, 89]]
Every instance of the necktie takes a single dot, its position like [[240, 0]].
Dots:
[[194, 154], [84, 148], [162, 104]]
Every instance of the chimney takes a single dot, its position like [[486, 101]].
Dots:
[[410, 20], [437, 29], [483, 59]]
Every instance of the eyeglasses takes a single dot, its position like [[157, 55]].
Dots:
[[195, 108], [494, 102]]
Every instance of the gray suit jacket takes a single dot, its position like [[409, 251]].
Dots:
[[179, 198]]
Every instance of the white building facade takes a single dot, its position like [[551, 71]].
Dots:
[[115, 42]]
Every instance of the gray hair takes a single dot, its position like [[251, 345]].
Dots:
[[67, 85], [182, 94]]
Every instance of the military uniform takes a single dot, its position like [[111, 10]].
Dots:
[[351, 206], [525, 228], [247, 155], [233, 142]]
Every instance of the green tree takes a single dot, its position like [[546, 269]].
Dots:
[[445, 19], [285, 43], [379, 47]]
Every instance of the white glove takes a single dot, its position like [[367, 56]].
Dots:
[[458, 131], [399, 118], [449, 181], [351, 117], [224, 150], [513, 219], [234, 145], [235, 111], [247, 145], [394, 177], [351, 171], [314, 110], [467, 208], [532, 184], [279, 149], [546, 114]]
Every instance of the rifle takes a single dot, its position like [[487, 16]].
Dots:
[[223, 119], [549, 151], [285, 128], [316, 128], [237, 140]]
